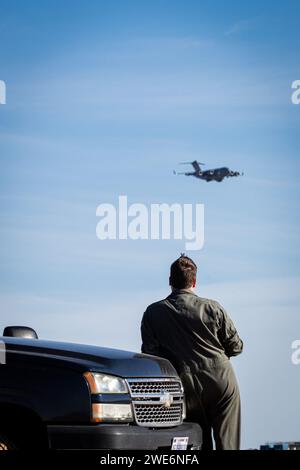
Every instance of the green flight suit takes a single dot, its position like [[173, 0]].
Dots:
[[197, 336]]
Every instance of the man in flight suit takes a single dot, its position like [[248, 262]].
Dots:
[[197, 336]]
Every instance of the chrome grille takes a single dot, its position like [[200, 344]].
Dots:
[[152, 415], [155, 387], [157, 402]]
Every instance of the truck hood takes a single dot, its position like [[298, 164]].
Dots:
[[86, 357]]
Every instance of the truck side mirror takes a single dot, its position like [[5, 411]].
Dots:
[[20, 332]]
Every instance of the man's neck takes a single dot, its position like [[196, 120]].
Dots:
[[188, 289]]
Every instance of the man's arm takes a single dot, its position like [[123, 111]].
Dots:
[[149, 342], [228, 335]]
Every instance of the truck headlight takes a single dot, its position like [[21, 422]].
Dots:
[[103, 383], [106, 412]]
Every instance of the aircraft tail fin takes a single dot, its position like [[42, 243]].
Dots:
[[196, 165]]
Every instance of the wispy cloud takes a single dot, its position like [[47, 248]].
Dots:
[[241, 26], [274, 298], [177, 42]]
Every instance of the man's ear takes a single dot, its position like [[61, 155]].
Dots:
[[194, 283], [170, 282]]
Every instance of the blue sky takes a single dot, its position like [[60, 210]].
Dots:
[[105, 98]]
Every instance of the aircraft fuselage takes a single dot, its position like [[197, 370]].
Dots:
[[215, 174]]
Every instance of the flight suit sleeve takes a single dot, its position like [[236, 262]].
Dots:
[[227, 334], [149, 342]]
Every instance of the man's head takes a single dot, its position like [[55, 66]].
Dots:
[[183, 273]]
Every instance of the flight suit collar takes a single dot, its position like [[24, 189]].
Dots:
[[176, 292]]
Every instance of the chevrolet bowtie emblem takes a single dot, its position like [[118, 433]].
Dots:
[[166, 399]]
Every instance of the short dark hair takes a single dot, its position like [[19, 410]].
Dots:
[[183, 273]]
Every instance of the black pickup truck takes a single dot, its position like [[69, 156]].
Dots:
[[73, 396]]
